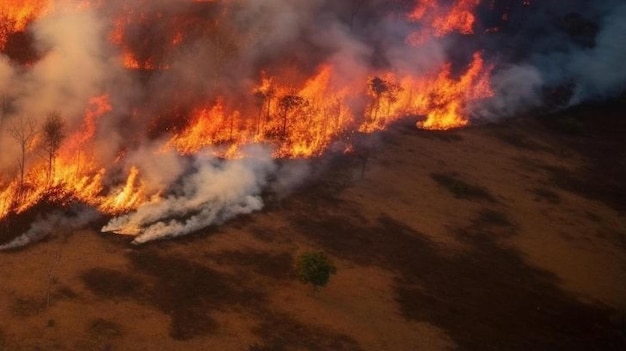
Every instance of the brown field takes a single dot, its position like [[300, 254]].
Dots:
[[496, 237]]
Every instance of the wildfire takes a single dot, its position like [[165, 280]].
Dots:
[[299, 118], [299, 122], [15, 15], [437, 20]]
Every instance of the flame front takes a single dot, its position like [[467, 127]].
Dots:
[[299, 114], [15, 15]]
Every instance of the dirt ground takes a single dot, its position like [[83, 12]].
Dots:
[[496, 237]]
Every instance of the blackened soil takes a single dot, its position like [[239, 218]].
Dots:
[[597, 132], [487, 298]]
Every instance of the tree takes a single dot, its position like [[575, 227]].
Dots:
[[24, 131], [287, 104], [5, 108], [53, 135], [264, 96], [381, 90], [315, 268]]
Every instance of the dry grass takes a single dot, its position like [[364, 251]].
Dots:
[[427, 259]]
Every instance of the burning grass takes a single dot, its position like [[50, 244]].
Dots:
[[109, 155]]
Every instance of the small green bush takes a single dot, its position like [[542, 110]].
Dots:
[[314, 268]]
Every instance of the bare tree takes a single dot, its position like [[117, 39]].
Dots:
[[53, 135], [264, 98], [382, 90], [24, 131], [5, 108], [287, 104]]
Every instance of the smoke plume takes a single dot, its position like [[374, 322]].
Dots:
[[212, 192], [58, 221], [162, 99]]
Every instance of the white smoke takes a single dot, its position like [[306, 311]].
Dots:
[[289, 176], [599, 70], [213, 192], [157, 167], [555, 61], [52, 223], [516, 89], [290, 38], [75, 65]]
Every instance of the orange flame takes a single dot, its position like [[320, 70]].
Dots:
[[438, 21], [15, 15], [439, 97], [298, 122], [299, 119]]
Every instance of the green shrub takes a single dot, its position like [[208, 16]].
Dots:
[[314, 268]]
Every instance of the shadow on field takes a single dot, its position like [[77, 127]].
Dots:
[[594, 131], [486, 298], [190, 293]]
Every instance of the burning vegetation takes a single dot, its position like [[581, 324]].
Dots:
[[139, 108]]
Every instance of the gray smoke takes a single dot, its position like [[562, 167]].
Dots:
[[549, 45], [578, 46], [52, 223], [214, 191]]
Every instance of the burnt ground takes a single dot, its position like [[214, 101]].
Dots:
[[496, 237]]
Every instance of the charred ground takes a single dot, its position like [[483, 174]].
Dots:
[[497, 237]]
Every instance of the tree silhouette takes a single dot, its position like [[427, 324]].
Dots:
[[5, 108], [382, 90], [53, 135], [287, 104], [24, 131]]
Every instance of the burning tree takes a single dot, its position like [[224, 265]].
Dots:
[[287, 104], [53, 135], [5, 107], [382, 90], [24, 131], [264, 95]]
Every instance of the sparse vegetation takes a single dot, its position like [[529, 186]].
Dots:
[[461, 189], [315, 268]]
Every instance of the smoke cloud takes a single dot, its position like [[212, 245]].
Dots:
[[180, 57], [212, 192], [58, 221]]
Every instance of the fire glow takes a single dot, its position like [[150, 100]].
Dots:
[[299, 109]]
